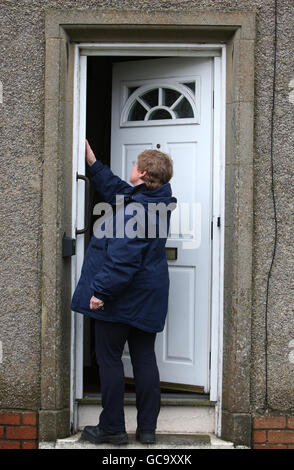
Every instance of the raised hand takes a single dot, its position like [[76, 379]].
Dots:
[[90, 157]]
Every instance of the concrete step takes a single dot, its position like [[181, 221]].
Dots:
[[176, 415], [163, 441]]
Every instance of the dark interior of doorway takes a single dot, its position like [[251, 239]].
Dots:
[[98, 133]]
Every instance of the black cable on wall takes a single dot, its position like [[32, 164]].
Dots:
[[275, 209]]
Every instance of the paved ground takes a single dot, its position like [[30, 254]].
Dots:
[[163, 441]]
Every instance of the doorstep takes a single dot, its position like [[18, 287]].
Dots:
[[163, 441], [178, 414]]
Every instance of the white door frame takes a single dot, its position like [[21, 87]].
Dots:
[[218, 52]]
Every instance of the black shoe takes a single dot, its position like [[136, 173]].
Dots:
[[145, 437], [96, 435]]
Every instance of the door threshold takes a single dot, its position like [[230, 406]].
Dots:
[[167, 399]]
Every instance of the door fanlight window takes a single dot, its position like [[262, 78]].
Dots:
[[160, 103]]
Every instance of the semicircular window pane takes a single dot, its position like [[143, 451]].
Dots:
[[169, 96], [137, 112], [160, 103], [151, 97], [159, 114], [183, 109]]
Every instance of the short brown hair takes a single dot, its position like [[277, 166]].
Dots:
[[159, 167]]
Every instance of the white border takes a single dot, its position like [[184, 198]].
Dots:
[[218, 235], [78, 194], [218, 51]]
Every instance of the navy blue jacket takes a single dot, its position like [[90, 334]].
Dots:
[[130, 275]]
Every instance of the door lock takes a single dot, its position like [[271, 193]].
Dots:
[[171, 253]]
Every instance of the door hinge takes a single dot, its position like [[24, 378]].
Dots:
[[209, 360], [211, 230], [218, 224], [213, 99]]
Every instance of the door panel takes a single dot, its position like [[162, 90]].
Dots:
[[180, 326], [129, 156], [166, 104]]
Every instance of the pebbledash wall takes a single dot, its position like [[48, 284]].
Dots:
[[36, 137]]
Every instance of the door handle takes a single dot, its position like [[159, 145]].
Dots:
[[87, 200]]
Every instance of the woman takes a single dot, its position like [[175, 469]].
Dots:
[[124, 285]]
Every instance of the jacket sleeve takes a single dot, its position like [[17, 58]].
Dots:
[[123, 260], [106, 183]]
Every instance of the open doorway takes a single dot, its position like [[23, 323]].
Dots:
[[98, 133]]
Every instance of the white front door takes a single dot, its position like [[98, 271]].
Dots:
[[166, 104]]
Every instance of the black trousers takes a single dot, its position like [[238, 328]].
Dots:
[[110, 339]]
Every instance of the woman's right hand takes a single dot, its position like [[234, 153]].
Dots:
[[90, 157], [95, 303]]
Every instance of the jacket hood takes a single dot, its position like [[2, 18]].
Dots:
[[144, 196]]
